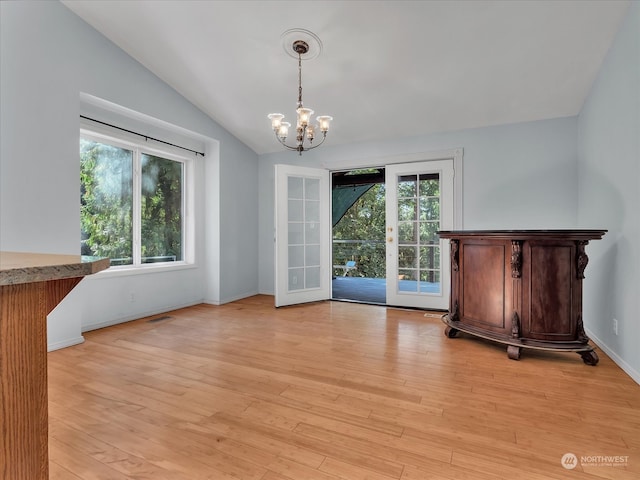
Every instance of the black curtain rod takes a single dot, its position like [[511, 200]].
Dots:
[[146, 137]]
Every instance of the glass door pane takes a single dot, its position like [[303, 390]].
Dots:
[[418, 243], [304, 238]]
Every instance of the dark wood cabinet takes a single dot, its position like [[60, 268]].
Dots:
[[522, 288]]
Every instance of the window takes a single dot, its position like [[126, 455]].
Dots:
[[132, 202]]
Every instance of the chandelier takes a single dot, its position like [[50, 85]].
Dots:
[[305, 131]]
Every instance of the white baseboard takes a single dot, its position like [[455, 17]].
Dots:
[[230, 299], [628, 369], [137, 316], [65, 343]]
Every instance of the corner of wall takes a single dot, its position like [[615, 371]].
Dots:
[[608, 185]]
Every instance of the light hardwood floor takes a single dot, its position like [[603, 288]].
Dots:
[[325, 391]]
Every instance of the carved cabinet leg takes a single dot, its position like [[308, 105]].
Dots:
[[513, 352], [590, 357], [450, 332]]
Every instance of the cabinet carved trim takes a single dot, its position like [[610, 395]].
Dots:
[[455, 316], [535, 276], [581, 334], [515, 325], [581, 258], [454, 255], [516, 258]]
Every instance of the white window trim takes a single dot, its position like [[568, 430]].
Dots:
[[188, 199]]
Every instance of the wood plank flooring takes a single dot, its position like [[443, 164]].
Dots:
[[329, 391]]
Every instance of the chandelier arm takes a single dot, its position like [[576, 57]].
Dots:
[[284, 144], [324, 137], [303, 149]]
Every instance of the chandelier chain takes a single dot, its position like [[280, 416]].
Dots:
[[299, 80]]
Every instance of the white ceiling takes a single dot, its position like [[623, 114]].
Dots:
[[388, 69]]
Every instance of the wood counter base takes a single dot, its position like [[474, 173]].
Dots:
[[521, 288], [31, 286], [23, 368]]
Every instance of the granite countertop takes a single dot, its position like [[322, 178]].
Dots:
[[19, 267]]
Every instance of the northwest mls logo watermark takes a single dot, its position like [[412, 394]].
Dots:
[[571, 461]]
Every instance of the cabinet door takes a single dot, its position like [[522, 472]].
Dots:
[[485, 287], [551, 291]]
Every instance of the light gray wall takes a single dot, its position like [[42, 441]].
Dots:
[[49, 56], [608, 194], [514, 176], [238, 227]]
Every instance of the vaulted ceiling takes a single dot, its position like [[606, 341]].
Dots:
[[387, 69]]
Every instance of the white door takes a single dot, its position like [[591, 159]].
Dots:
[[419, 203], [303, 235]]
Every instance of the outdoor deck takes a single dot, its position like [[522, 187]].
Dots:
[[372, 290], [359, 289]]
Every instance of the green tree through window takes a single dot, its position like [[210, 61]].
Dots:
[[106, 201], [360, 233], [130, 223], [161, 209]]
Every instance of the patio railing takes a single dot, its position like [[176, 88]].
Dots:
[[369, 256]]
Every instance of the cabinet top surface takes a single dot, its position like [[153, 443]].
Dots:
[[22, 267], [525, 234]]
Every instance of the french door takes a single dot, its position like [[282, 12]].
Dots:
[[303, 235], [419, 203]]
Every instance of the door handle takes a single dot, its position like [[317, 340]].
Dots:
[[389, 239]]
